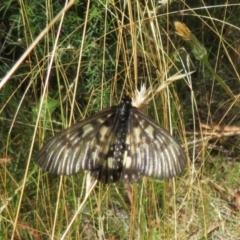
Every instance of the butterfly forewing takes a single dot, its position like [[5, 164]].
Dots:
[[78, 147], [165, 158], [152, 151]]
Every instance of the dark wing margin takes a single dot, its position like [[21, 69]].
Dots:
[[153, 152], [79, 146]]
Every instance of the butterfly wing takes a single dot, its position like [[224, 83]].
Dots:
[[83, 146], [109, 170], [152, 151]]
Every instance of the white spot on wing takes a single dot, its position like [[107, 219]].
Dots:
[[110, 162], [103, 130], [127, 161]]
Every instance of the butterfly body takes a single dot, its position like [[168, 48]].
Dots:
[[118, 143], [112, 160]]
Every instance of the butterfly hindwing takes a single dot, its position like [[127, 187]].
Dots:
[[131, 159], [109, 170]]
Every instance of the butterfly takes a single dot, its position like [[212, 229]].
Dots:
[[118, 143]]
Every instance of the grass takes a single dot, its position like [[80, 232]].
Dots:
[[85, 60]]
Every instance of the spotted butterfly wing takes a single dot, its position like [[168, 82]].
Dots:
[[151, 151], [118, 143]]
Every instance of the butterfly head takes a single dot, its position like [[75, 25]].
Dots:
[[126, 100]]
